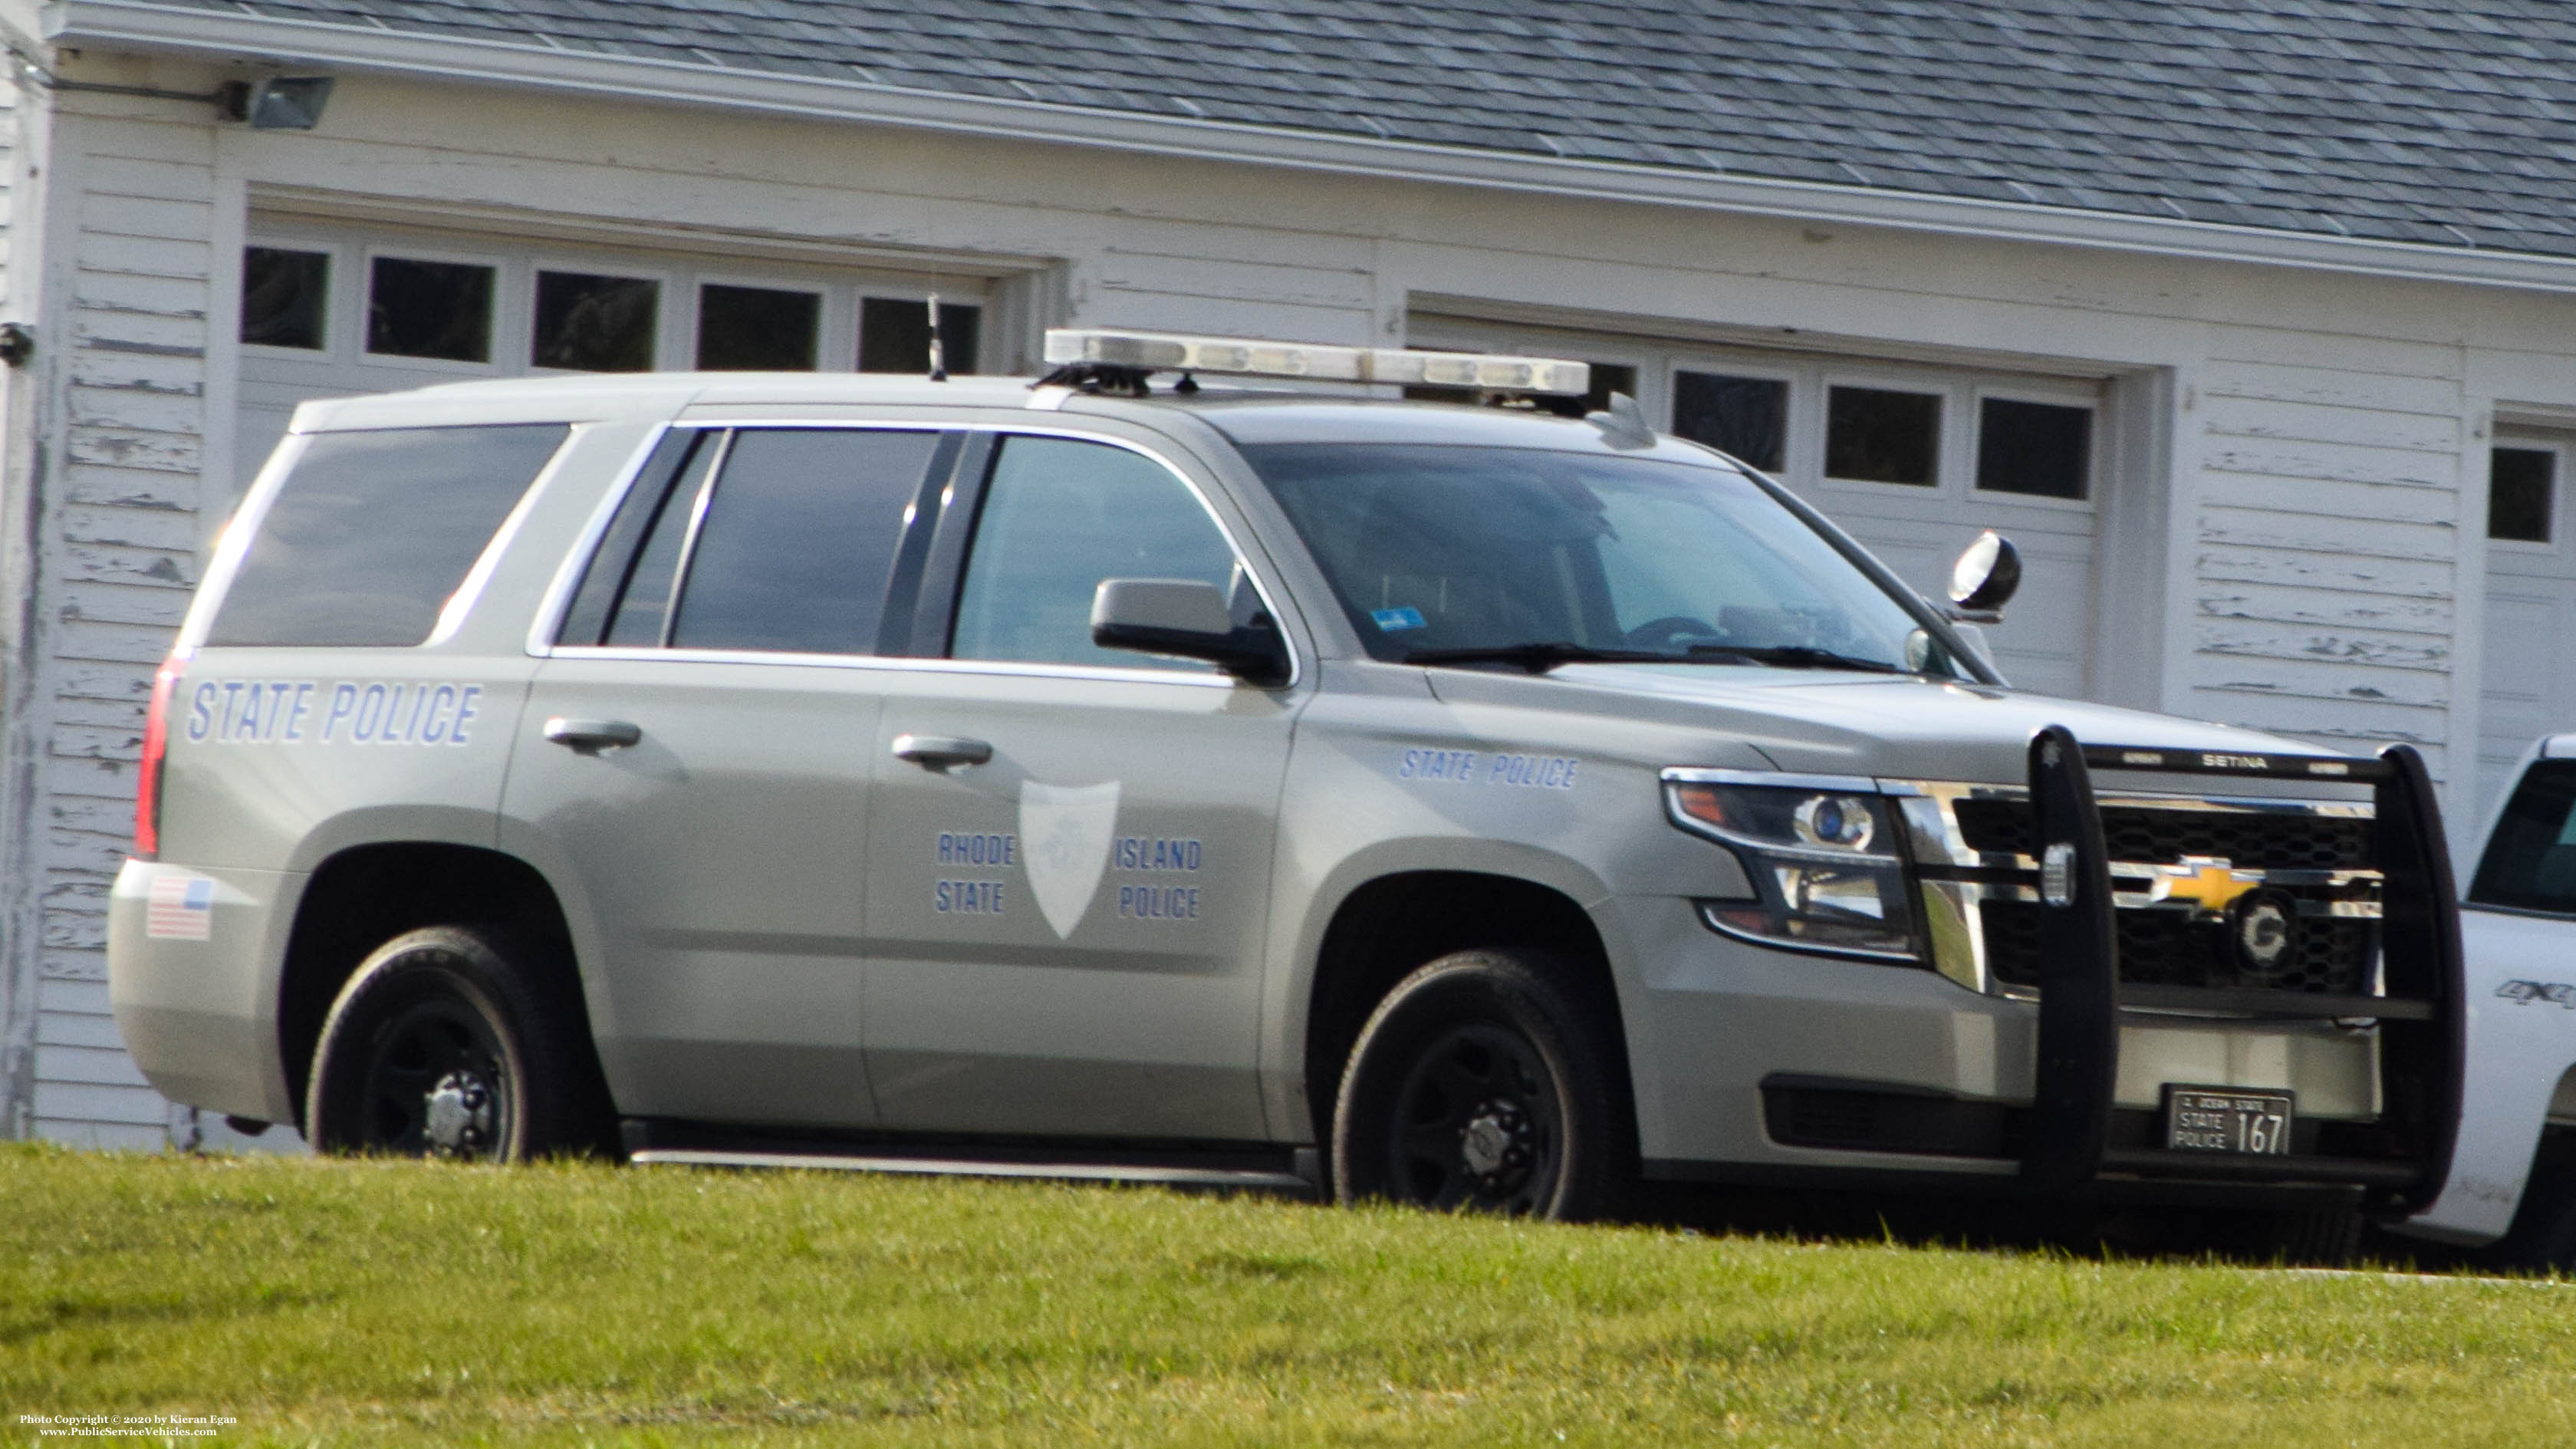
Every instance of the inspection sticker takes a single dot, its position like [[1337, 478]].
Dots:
[[182, 908]]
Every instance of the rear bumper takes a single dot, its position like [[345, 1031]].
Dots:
[[194, 988]]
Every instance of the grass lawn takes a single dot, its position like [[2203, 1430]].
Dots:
[[315, 1301]]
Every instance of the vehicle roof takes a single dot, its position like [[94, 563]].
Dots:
[[1245, 416], [590, 396]]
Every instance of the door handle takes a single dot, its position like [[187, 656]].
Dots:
[[941, 752], [590, 736]]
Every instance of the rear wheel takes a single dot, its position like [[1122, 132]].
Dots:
[[1485, 1082], [447, 1042]]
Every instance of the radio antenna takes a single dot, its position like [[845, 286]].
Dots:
[[938, 353]]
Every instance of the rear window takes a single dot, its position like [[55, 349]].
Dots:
[[2530, 863], [371, 534]]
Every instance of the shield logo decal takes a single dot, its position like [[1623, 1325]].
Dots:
[[1064, 835]]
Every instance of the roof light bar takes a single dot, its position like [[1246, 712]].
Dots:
[[1315, 361]]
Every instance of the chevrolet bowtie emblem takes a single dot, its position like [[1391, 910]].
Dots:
[[2208, 882]]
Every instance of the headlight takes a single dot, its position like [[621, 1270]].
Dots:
[[1821, 854]]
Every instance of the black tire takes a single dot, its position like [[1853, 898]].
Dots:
[[1487, 1081], [2317, 1237], [456, 1042], [2543, 1236]]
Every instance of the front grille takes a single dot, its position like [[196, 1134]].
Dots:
[[2250, 840], [2331, 954]]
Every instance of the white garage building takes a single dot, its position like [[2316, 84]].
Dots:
[[2254, 322]]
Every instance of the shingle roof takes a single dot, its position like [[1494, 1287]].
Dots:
[[2445, 122]]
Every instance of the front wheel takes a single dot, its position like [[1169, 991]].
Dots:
[[2317, 1237], [447, 1043], [1487, 1082], [2543, 1238]]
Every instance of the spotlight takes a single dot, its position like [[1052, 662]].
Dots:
[[287, 102]]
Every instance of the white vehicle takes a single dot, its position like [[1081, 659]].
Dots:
[[2512, 1186]]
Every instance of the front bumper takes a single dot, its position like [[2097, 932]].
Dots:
[[1753, 1063]]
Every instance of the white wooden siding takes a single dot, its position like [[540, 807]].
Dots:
[[2328, 536], [136, 181], [24, 993]]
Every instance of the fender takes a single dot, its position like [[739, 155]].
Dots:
[[2522, 1029]]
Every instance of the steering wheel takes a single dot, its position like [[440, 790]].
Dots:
[[1668, 631]]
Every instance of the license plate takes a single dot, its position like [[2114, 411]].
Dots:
[[2212, 1119]]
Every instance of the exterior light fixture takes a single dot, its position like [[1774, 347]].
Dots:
[[286, 102]]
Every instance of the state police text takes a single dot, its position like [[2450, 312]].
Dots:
[[301, 711]]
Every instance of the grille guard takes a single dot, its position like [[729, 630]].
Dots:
[[2423, 1041]]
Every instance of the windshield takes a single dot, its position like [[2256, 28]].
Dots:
[[1437, 550]]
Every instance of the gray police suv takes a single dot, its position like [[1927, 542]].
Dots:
[[1466, 805]]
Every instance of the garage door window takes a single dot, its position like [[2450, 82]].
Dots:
[[588, 323], [757, 329], [417, 309], [437, 310], [2042, 450], [1882, 435], [2522, 488], [285, 297], [1747, 417], [894, 335], [429, 311]]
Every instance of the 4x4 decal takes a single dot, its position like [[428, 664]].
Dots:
[[2523, 993]]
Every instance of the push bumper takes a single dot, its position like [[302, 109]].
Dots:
[[1753, 1065], [2069, 1140]]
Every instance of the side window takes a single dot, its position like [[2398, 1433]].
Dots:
[[644, 604], [2531, 863], [628, 587], [372, 533], [771, 539], [798, 540], [1060, 515]]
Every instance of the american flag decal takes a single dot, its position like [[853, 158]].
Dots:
[[182, 908]]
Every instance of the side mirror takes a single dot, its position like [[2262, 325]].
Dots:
[[1984, 579], [1188, 619]]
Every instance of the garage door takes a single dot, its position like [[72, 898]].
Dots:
[[1913, 459], [2530, 635], [330, 311]]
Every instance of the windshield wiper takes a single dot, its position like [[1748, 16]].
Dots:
[[1539, 658], [1795, 656]]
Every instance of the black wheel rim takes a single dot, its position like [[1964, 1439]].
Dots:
[[1477, 1126], [435, 1084]]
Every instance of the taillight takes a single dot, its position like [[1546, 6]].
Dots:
[[156, 743]]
